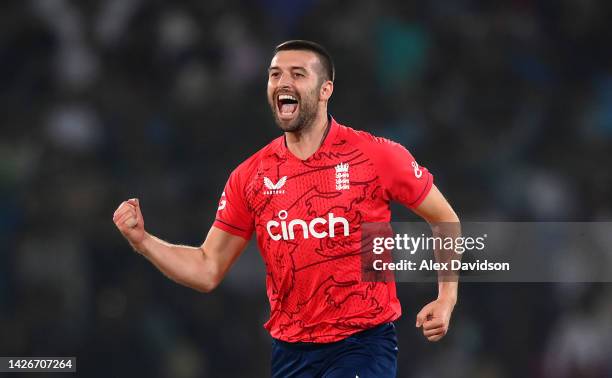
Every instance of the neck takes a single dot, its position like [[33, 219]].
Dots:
[[306, 142]]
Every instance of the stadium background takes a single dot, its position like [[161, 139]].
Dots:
[[508, 103]]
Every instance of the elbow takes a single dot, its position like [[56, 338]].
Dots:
[[445, 222], [209, 276], [204, 289], [208, 285], [450, 216], [449, 223]]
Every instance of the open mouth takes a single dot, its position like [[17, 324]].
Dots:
[[287, 105]]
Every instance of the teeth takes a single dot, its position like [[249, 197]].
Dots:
[[287, 97]]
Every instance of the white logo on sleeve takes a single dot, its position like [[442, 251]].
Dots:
[[222, 203], [342, 176], [274, 188], [418, 172]]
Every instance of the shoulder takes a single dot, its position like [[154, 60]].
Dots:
[[371, 144]]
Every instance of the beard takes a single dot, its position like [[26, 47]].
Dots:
[[307, 113]]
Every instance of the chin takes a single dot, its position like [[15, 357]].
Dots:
[[292, 127], [289, 126]]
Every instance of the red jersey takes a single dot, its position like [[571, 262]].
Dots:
[[307, 216]]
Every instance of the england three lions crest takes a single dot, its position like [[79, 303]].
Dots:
[[342, 176]]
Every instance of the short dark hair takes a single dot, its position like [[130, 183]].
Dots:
[[300, 44]]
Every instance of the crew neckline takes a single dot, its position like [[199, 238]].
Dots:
[[327, 141]]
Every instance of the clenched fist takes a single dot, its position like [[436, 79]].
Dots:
[[130, 222], [435, 319]]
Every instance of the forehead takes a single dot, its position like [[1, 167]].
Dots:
[[295, 58]]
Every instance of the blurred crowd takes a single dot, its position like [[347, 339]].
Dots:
[[508, 103]]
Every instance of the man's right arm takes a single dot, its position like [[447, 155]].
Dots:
[[201, 268]]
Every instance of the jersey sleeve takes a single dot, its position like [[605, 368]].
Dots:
[[233, 215], [404, 180]]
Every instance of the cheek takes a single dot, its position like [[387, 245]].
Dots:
[[270, 90], [312, 90], [311, 94]]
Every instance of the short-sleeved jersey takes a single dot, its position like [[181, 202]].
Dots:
[[307, 216]]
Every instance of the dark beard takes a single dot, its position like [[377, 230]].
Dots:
[[308, 114]]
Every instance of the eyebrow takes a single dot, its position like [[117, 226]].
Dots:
[[291, 68]]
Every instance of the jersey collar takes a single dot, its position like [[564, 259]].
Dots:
[[327, 142]]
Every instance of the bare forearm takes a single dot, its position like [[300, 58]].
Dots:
[[182, 264], [447, 290], [448, 280]]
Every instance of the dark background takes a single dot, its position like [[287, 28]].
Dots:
[[508, 103]]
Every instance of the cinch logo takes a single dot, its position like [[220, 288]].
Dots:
[[286, 231], [274, 188]]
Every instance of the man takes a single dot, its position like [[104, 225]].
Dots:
[[305, 195]]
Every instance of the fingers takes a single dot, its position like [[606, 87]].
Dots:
[[137, 214], [434, 329], [127, 219], [131, 222], [437, 337], [121, 217], [131, 204], [122, 211], [433, 324], [125, 206], [136, 203], [127, 214], [435, 319]]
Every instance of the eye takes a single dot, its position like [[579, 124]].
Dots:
[[274, 74], [297, 74]]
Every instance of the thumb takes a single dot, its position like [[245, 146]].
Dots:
[[422, 316], [136, 203]]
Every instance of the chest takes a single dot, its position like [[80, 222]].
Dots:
[[343, 185]]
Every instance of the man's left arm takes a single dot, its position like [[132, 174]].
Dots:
[[435, 316], [410, 184]]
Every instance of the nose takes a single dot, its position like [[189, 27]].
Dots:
[[285, 81]]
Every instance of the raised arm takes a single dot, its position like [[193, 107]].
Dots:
[[200, 268]]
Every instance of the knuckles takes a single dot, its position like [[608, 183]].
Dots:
[[122, 209]]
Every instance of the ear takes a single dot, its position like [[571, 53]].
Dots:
[[327, 88]]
